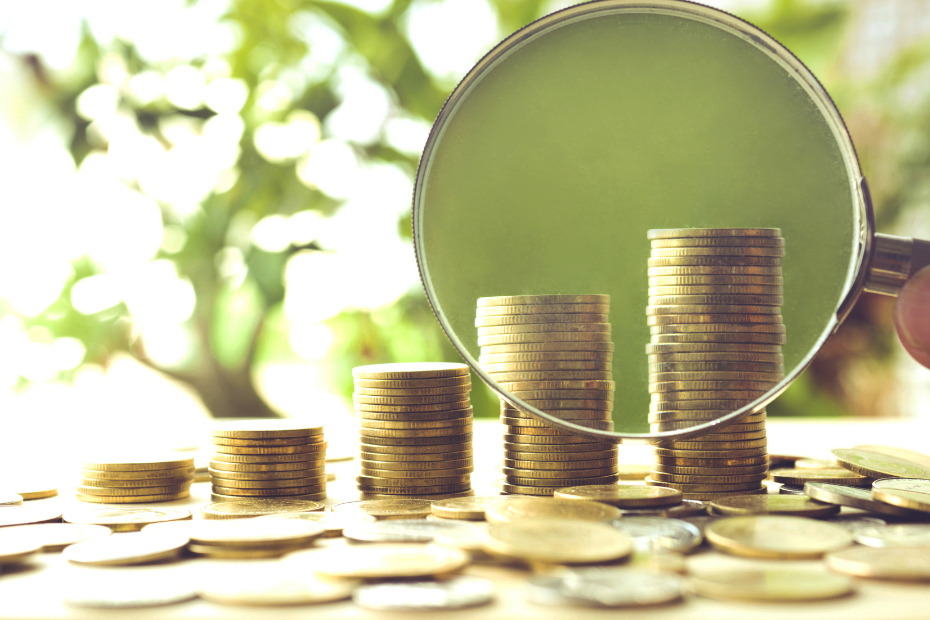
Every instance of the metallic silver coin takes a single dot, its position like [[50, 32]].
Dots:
[[651, 533], [854, 497], [906, 535], [855, 523], [399, 530], [687, 508], [605, 587], [455, 593]]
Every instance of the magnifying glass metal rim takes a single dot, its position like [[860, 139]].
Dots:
[[857, 274]]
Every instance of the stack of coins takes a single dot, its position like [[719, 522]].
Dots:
[[553, 352], [416, 430], [268, 459], [714, 315], [135, 480]]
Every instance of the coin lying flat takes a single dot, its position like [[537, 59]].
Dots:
[[857, 522], [128, 590], [558, 541], [622, 496], [381, 561], [124, 519], [125, 549], [535, 300], [54, 536], [896, 563], [388, 508], [23, 514], [416, 370], [267, 531], [455, 593], [275, 587], [905, 535], [797, 505], [902, 453], [38, 489], [257, 507], [465, 508], [909, 493], [14, 550], [749, 584], [833, 475], [517, 509], [399, 531], [140, 463], [853, 497], [687, 508], [10, 499], [776, 536], [604, 587], [659, 534], [876, 465]]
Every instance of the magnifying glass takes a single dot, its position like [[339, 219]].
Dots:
[[577, 134]]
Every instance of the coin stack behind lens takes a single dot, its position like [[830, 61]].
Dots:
[[553, 352], [416, 430], [132, 480], [268, 459], [714, 315]]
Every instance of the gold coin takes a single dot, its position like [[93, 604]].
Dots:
[[551, 477], [257, 443], [721, 462], [266, 429], [30, 489], [747, 396], [125, 549], [564, 394], [377, 453], [379, 561], [797, 505], [387, 509], [244, 507], [40, 512], [532, 309], [277, 588], [553, 440], [709, 366], [604, 356], [280, 492], [717, 282], [702, 270], [713, 319], [414, 433], [854, 498], [417, 466], [544, 404], [138, 476], [711, 359], [127, 491], [417, 424], [269, 531], [408, 400], [895, 563], [698, 407], [464, 477], [832, 475], [707, 487], [709, 497], [421, 416], [719, 242], [332, 522], [727, 479], [519, 386], [132, 499], [543, 337], [776, 536], [413, 370], [518, 509], [770, 584], [716, 453], [503, 320], [876, 465], [713, 375], [535, 448], [498, 330], [546, 460], [275, 475], [518, 300], [268, 467], [714, 289], [146, 463], [438, 391], [464, 508], [901, 453], [414, 490], [712, 309], [310, 497], [552, 375], [910, 493], [558, 541], [720, 250], [267, 450], [622, 496], [538, 431], [531, 347], [709, 471], [745, 427], [569, 415], [284, 483], [211, 551], [693, 348], [124, 519], [316, 452], [402, 445], [407, 384], [556, 365], [604, 425], [687, 233], [726, 337], [670, 420], [724, 435], [715, 261], [718, 299], [660, 388], [714, 445], [718, 328], [542, 492], [456, 473], [449, 406]]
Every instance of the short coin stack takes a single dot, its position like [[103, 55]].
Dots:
[[268, 459], [714, 315], [416, 430], [553, 352], [135, 479]]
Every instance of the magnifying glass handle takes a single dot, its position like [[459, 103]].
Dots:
[[894, 260]]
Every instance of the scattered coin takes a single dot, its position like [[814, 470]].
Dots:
[[467, 508], [909, 493], [832, 475], [558, 541], [264, 532], [877, 465], [135, 462], [776, 536], [399, 530], [23, 514], [333, 522], [516, 509], [856, 522], [388, 508], [455, 593], [772, 584], [905, 535], [257, 507], [10, 499], [896, 563], [687, 508], [124, 519], [34, 489], [125, 549], [14, 549], [275, 587], [797, 505], [53, 536], [902, 453], [604, 587], [854, 498], [656, 533], [623, 496], [128, 589], [382, 561]]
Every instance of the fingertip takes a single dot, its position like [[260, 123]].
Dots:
[[912, 316]]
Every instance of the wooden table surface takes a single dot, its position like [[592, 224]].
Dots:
[[35, 591]]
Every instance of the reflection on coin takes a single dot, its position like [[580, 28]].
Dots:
[[910, 493], [558, 541], [516, 509], [127, 589], [124, 519], [687, 508], [799, 505], [272, 586], [857, 522], [901, 564], [906, 535], [257, 507], [902, 453], [876, 465], [468, 508], [622, 496], [779, 536], [135, 462], [54, 536], [833, 475], [775, 584], [853, 497], [388, 508], [655, 534], [415, 370], [604, 587], [399, 530], [456, 593], [125, 549], [536, 300], [381, 561]]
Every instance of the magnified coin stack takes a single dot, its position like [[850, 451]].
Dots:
[[714, 315], [268, 459], [416, 430], [133, 480], [553, 352]]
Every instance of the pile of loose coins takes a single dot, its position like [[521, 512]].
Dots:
[[135, 480], [714, 315], [553, 352], [415, 423], [268, 459]]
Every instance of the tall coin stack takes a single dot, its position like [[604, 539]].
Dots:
[[268, 459], [714, 315], [416, 430], [136, 479], [553, 352]]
